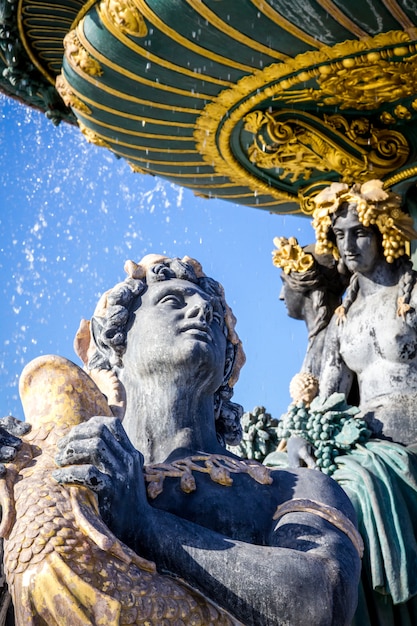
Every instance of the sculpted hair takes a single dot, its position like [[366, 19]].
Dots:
[[111, 323], [407, 274]]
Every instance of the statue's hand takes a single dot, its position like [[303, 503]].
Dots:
[[11, 429], [98, 454], [300, 453]]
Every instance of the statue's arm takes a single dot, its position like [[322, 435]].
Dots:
[[335, 375], [301, 575], [308, 575]]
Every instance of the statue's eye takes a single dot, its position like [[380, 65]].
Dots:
[[172, 299]]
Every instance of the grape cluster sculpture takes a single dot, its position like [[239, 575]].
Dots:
[[330, 425]]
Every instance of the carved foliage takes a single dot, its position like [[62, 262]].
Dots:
[[79, 56], [300, 144], [69, 97]]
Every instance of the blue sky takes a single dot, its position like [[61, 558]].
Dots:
[[71, 214]]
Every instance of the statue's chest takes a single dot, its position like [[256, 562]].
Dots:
[[230, 500], [375, 331]]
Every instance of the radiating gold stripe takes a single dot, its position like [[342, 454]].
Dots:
[[49, 77], [171, 175], [114, 92], [399, 14], [258, 205], [188, 45], [342, 18], [36, 41], [152, 58], [116, 141], [126, 131], [235, 195], [211, 17], [278, 19], [105, 62], [168, 150], [211, 186]]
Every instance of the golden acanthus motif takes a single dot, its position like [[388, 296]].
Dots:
[[218, 467], [92, 137], [78, 56], [63, 565], [300, 144], [69, 97]]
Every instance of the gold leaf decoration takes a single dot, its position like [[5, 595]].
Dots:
[[78, 56], [126, 16], [92, 137], [68, 96]]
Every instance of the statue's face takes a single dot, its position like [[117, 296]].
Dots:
[[177, 326], [294, 300], [357, 244]]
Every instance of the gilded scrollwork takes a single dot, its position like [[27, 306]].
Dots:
[[364, 85], [298, 145], [376, 70], [79, 56], [126, 16]]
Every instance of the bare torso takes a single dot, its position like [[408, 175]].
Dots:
[[381, 348]]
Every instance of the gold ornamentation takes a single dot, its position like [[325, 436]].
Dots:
[[63, 565], [92, 137], [292, 150], [387, 118], [359, 84], [70, 99], [298, 147], [290, 256], [374, 206], [219, 119], [218, 467], [79, 56], [325, 511], [402, 112], [410, 172], [126, 16]]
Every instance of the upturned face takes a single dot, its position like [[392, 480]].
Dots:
[[358, 245], [177, 326]]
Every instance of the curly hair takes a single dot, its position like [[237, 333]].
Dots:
[[114, 317]]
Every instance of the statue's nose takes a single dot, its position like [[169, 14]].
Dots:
[[202, 310]]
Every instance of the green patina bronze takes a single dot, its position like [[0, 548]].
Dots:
[[258, 103]]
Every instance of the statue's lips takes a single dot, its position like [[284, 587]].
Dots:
[[351, 257], [200, 330]]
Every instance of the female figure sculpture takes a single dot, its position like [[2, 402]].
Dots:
[[373, 336], [235, 530], [312, 289]]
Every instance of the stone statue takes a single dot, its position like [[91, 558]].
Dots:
[[312, 288], [268, 547], [373, 337], [63, 564]]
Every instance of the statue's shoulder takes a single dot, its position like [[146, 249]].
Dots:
[[308, 484]]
